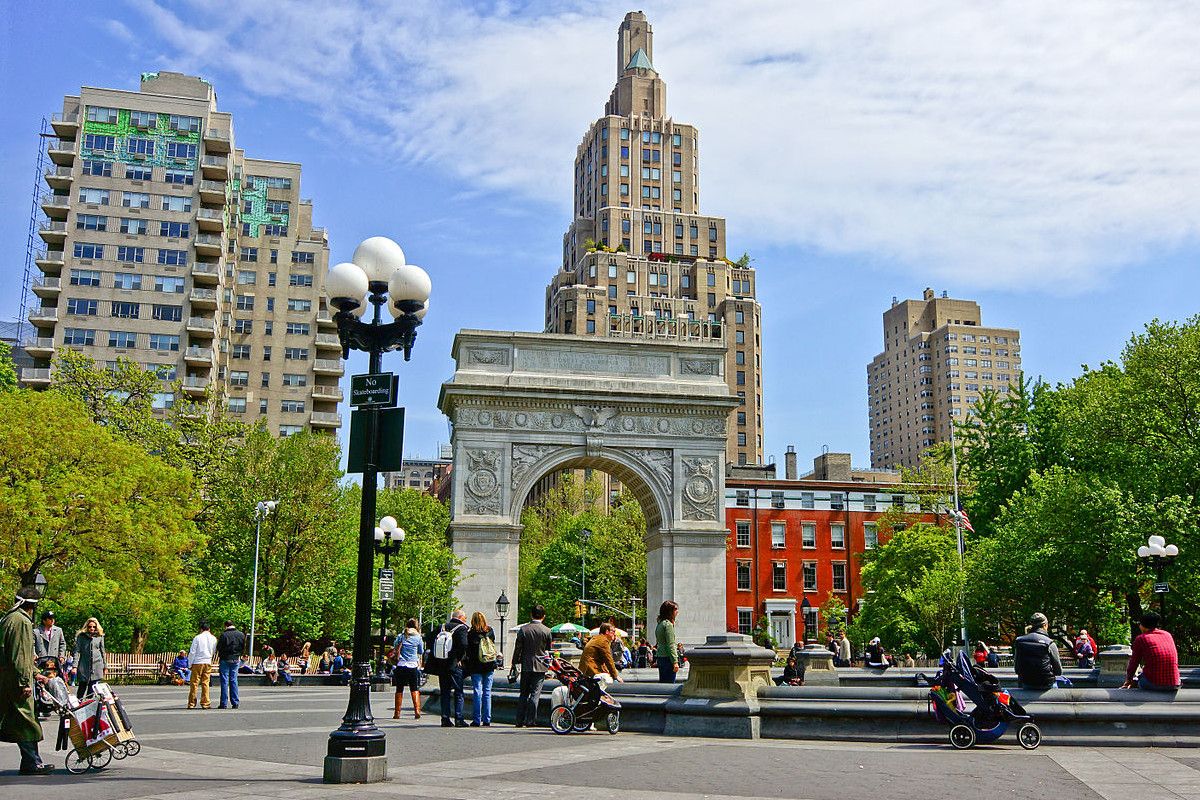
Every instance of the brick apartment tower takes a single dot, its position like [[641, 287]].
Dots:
[[936, 358], [640, 260], [168, 246]]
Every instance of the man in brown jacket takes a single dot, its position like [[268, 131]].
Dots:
[[597, 654]]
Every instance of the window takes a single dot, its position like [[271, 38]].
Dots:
[[303, 257], [809, 572], [165, 372], [779, 576], [898, 501], [743, 533], [125, 310], [837, 536], [741, 378], [289, 430], [298, 328], [82, 308], [134, 225], [175, 257], [743, 576], [124, 339], [274, 230], [245, 302], [778, 535], [102, 114], [297, 304], [143, 119], [85, 277], [870, 535], [243, 326], [181, 150], [248, 254], [294, 379], [742, 497], [91, 222], [175, 230], [135, 199], [181, 177], [590, 326], [171, 202], [79, 336], [93, 197], [238, 377], [266, 352], [839, 576], [808, 534], [292, 406], [236, 405], [247, 277], [138, 146], [163, 341], [240, 351], [868, 502], [300, 280], [101, 169], [131, 255], [95, 141], [745, 621], [168, 313], [295, 353], [179, 122], [163, 283], [837, 501]]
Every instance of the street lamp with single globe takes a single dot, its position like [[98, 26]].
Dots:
[[1158, 554], [388, 538], [502, 614], [376, 275], [40, 583], [261, 510]]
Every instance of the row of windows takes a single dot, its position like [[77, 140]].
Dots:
[[123, 280], [779, 576], [124, 339], [94, 252], [134, 225], [808, 535], [125, 310], [92, 196], [836, 500], [144, 119]]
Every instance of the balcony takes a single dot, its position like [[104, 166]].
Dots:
[[212, 191], [47, 287], [211, 219], [203, 298], [35, 376], [62, 152], [328, 366], [65, 124], [324, 317], [54, 232], [333, 393], [328, 341], [60, 177], [49, 260], [41, 347], [216, 140], [202, 326], [215, 167], [206, 272], [195, 385], [208, 244], [198, 355], [56, 206], [323, 419], [43, 316]]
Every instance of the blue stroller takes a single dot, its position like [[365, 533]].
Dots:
[[994, 708]]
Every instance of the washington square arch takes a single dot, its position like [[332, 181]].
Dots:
[[650, 413]]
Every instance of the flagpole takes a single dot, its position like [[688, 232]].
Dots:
[[962, 610]]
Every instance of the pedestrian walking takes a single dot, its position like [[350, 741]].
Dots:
[[480, 664], [18, 719], [89, 657], [408, 650], [533, 643], [200, 658], [666, 651], [48, 639], [449, 649], [231, 646]]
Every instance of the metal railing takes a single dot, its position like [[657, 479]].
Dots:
[[208, 239], [327, 365], [48, 282], [60, 172], [204, 353], [215, 161], [329, 339], [212, 186], [43, 312], [214, 133], [40, 343], [324, 417], [29, 374], [204, 323], [327, 393], [60, 144], [57, 200], [56, 226]]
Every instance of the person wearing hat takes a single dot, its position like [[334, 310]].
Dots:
[[1035, 656], [876, 655], [18, 721], [48, 639]]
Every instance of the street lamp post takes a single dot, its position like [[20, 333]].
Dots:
[[585, 534], [1158, 554], [40, 583], [388, 538], [261, 510], [376, 269], [502, 614]]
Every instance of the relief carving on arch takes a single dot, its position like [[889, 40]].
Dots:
[[658, 462], [525, 456], [482, 483], [700, 488]]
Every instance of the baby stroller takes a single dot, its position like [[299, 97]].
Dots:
[[96, 730], [580, 702], [994, 708]]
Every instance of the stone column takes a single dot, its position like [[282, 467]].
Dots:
[[1113, 661], [720, 696], [689, 568], [818, 666], [491, 565]]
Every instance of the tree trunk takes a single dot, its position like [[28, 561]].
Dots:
[[1133, 601], [137, 641]]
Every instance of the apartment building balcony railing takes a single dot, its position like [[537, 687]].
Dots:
[[328, 341], [203, 298], [328, 366], [216, 140], [49, 260], [43, 315], [35, 376], [198, 355], [53, 231], [206, 272], [208, 244], [327, 393], [41, 347], [194, 384], [65, 123], [47, 286], [215, 167], [56, 206], [60, 177], [212, 191], [202, 326], [61, 152], [324, 419], [634, 326], [324, 317], [211, 219]]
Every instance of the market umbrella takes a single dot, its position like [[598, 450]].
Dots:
[[621, 633], [568, 627]]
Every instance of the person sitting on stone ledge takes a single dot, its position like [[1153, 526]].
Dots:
[[793, 673], [1154, 650], [876, 656], [1035, 656]]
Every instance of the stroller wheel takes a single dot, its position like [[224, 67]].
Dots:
[[612, 722], [76, 764], [133, 747], [562, 719], [1029, 735], [962, 737]]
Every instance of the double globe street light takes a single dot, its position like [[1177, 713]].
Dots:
[[1158, 554], [388, 538], [376, 276]]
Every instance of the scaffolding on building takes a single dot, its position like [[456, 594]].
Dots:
[[32, 239]]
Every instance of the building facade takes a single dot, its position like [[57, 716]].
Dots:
[[640, 260], [796, 542], [937, 357], [168, 246], [422, 474]]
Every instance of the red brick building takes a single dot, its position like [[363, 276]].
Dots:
[[795, 542]]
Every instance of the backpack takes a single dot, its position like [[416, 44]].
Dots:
[[443, 644], [487, 650]]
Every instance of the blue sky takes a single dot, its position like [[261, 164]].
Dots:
[[1041, 160]]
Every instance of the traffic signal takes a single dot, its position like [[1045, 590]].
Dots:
[[579, 609]]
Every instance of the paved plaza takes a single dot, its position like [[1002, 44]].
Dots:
[[273, 745]]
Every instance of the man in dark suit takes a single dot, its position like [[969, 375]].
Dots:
[[533, 642]]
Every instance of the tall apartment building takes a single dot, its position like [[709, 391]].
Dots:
[[640, 260], [937, 357], [168, 246]]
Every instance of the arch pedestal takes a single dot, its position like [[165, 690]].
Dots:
[[653, 415]]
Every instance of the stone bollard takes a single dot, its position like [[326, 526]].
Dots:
[[1113, 661], [818, 666], [720, 696]]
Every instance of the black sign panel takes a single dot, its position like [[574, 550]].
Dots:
[[378, 389], [390, 455]]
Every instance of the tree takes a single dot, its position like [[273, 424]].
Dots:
[[8, 370], [936, 601], [833, 615], [427, 571], [109, 525]]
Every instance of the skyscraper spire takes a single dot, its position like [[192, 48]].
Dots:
[[639, 89]]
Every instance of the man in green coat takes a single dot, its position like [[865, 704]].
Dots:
[[18, 722]]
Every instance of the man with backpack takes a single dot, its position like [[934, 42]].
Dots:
[[445, 660]]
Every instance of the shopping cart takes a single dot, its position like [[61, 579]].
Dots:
[[96, 730]]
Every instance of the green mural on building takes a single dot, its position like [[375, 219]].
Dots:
[[130, 137]]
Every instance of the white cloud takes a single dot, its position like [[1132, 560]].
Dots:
[[118, 29], [985, 144]]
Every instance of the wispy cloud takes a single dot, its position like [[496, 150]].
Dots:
[[118, 29], [985, 144]]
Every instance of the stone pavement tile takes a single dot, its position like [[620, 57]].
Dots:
[[1124, 791]]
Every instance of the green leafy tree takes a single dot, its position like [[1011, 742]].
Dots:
[[833, 615], [8, 370], [426, 569], [936, 601]]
